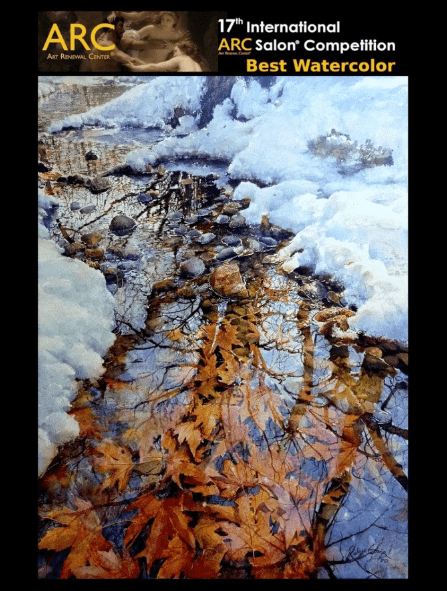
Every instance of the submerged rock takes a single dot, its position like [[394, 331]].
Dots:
[[88, 209], [94, 253], [206, 238], [174, 216], [111, 274], [99, 184], [144, 198], [180, 230], [232, 240], [227, 281], [121, 225], [231, 208], [237, 221], [92, 239], [268, 241], [194, 234], [193, 267], [75, 247], [226, 253]]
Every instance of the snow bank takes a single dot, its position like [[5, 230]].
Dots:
[[358, 236], [139, 108], [75, 318]]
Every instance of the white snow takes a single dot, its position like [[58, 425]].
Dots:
[[75, 322]]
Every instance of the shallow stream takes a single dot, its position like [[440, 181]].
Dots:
[[256, 414]]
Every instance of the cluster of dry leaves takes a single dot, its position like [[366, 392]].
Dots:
[[225, 493]]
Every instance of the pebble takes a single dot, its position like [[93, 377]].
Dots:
[[203, 212], [121, 224], [74, 248], [77, 179], [88, 209], [92, 239], [226, 253], [231, 208], [222, 219], [237, 221], [381, 417], [206, 238], [75, 206], [94, 253], [99, 184], [194, 234], [111, 274], [131, 252], [255, 245], [144, 198], [193, 267], [313, 290], [174, 216], [232, 240], [226, 280], [180, 230], [268, 241]]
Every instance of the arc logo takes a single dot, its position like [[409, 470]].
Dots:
[[77, 33]]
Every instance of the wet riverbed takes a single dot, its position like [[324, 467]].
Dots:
[[241, 430]]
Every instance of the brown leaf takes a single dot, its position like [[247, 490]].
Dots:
[[82, 533], [188, 432], [117, 462]]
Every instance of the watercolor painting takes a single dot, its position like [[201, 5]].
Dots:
[[222, 326]]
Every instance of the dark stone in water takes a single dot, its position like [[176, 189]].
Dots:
[[99, 184], [144, 198], [91, 156], [121, 225], [88, 209], [74, 206], [180, 230], [76, 179], [268, 241], [174, 216], [111, 274], [42, 168], [203, 212], [232, 241], [206, 238], [226, 253]]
